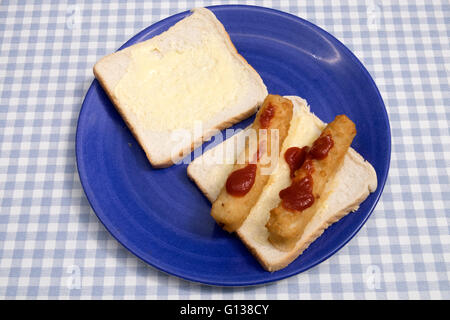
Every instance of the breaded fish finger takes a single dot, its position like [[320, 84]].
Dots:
[[300, 201], [248, 178]]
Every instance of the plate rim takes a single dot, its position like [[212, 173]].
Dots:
[[90, 195]]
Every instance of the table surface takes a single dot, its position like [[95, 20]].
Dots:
[[53, 246]]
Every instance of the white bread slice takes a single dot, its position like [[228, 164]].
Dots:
[[354, 181], [190, 75]]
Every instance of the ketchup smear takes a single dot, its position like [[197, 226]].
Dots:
[[298, 196], [295, 157], [321, 147], [241, 181], [266, 116]]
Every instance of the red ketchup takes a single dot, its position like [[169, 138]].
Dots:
[[298, 196], [321, 147], [241, 181], [308, 166], [295, 157], [266, 116]]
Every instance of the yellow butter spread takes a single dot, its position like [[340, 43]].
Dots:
[[171, 87]]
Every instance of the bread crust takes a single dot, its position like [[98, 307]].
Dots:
[[205, 192]]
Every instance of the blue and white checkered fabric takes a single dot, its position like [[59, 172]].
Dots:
[[53, 246]]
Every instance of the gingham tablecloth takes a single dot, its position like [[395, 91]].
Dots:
[[53, 246]]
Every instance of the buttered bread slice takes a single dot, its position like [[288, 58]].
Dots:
[[178, 88]]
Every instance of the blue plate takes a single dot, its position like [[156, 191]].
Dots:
[[161, 216]]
